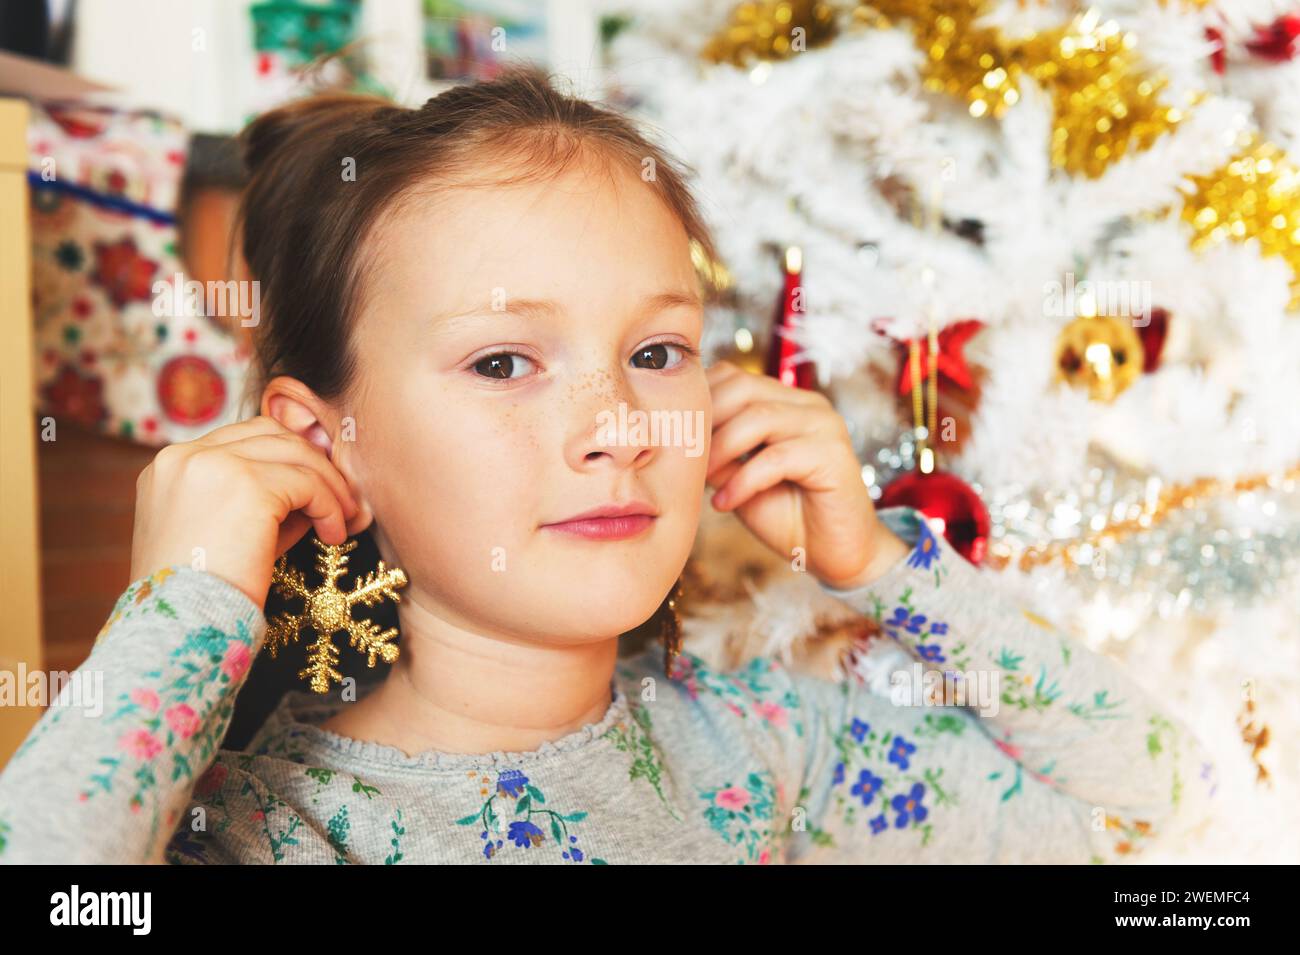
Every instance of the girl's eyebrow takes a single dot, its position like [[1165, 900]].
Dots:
[[545, 308], [670, 299]]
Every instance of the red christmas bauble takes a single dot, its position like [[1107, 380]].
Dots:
[[950, 505], [1153, 335]]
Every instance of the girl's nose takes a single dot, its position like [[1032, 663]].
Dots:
[[609, 427]]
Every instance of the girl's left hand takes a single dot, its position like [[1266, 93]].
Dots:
[[802, 487]]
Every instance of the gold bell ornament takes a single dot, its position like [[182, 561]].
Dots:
[[327, 610]]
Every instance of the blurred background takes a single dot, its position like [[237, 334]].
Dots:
[[1043, 255]]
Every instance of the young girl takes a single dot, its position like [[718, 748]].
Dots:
[[455, 297]]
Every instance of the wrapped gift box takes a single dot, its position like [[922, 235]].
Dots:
[[113, 352]]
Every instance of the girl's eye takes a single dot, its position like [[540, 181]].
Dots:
[[656, 355], [500, 365]]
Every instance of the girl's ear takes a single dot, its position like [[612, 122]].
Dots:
[[297, 408]]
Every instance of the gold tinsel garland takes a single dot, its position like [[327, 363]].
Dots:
[[1256, 195], [1256, 735], [1174, 497], [1105, 104], [771, 30]]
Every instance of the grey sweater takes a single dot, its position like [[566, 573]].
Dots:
[[1032, 748]]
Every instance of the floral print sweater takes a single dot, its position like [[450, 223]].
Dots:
[[1007, 742]]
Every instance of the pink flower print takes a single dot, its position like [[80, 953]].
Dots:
[[1009, 748], [145, 697], [734, 798], [774, 713], [765, 856], [141, 744], [183, 720], [735, 708], [682, 669], [235, 665]]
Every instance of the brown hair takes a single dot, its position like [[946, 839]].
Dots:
[[304, 225]]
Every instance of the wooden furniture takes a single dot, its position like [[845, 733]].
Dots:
[[20, 590]]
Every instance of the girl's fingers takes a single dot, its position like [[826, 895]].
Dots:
[[299, 488], [298, 523], [719, 371], [288, 448], [265, 439], [794, 460], [261, 424], [291, 531], [723, 474], [760, 421], [732, 388]]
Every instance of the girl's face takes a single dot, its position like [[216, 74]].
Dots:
[[503, 329]]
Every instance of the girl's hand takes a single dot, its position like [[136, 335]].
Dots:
[[235, 499], [802, 488]]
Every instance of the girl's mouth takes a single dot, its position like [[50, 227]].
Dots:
[[604, 528]]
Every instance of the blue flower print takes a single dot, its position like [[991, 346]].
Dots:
[[524, 834], [931, 652], [905, 619], [573, 853], [938, 629], [899, 751], [859, 730], [883, 792], [512, 793], [926, 551], [512, 783], [866, 787], [909, 806]]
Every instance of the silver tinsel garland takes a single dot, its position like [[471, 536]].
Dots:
[[1230, 551]]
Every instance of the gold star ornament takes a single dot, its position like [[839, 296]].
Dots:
[[327, 610]]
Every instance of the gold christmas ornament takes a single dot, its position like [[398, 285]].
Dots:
[[1100, 352], [771, 30], [744, 352], [327, 610], [1255, 196]]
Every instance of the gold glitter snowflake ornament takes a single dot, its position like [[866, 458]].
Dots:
[[327, 610]]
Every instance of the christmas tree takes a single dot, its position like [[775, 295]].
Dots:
[[1051, 277]]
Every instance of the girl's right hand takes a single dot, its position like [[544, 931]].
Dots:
[[236, 499]]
